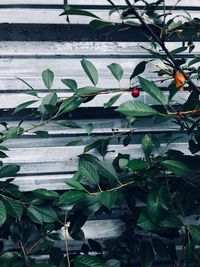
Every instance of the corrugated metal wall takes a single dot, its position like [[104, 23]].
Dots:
[[32, 38]]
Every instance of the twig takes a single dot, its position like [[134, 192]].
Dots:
[[162, 45]]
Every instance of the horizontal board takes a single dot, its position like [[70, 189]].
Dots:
[[98, 230], [11, 100], [51, 16], [49, 167], [92, 2], [82, 49]]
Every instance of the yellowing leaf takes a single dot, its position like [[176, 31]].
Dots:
[[179, 80]]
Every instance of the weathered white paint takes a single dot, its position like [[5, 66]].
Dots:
[[11, 100], [51, 16], [82, 49], [93, 2]]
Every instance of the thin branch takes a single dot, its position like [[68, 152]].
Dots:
[[162, 45]]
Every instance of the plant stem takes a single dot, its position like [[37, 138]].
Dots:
[[66, 241], [162, 45]]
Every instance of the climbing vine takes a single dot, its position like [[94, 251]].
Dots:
[[155, 189]]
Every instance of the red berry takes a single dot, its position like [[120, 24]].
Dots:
[[135, 92]]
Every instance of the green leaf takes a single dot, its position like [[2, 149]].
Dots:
[[71, 197], [108, 199], [107, 170], [177, 167], [50, 99], [116, 71], [23, 106], [147, 144], [14, 208], [67, 123], [137, 164], [89, 90], [140, 68], [75, 184], [3, 214], [47, 213], [70, 104], [74, 143], [89, 128], [34, 215], [99, 24], [153, 90], [43, 134], [46, 194], [88, 261], [112, 101], [9, 258], [9, 170], [32, 90], [48, 77], [136, 108], [160, 248], [157, 204], [88, 171], [78, 12], [146, 254], [171, 221], [90, 70], [72, 84], [13, 132], [145, 223], [112, 263], [194, 231]]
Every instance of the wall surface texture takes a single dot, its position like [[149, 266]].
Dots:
[[34, 37]]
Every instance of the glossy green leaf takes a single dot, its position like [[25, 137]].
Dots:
[[112, 101], [9, 170], [3, 213], [147, 145], [24, 105], [116, 71], [90, 70], [178, 167], [137, 164], [113, 263], [31, 90], [78, 12], [157, 204], [99, 24], [48, 77], [43, 193], [71, 197], [70, 104], [89, 128], [88, 170], [146, 254], [89, 90], [75, 184], [145, 223], [74, 143], [108, 199], [47, 213], [194, 231], [153, 90], [68, 123], [34, 215], [140, 68], [136, 108], [72, 84], [14, 208], [88, 261]]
